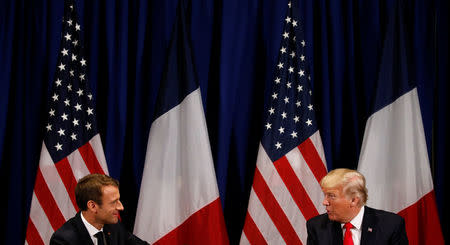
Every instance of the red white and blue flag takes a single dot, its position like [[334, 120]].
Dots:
[[179, 199], [394, 156], [72, 147], [291, 161]]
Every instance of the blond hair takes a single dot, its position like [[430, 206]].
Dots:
[[352, 182]]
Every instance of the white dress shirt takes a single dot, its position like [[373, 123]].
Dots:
[[91, 229], [356, 230]]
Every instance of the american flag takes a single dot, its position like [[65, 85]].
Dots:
[[291, 162], [72, 147]]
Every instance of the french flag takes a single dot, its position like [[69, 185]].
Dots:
[[179, 199], [394, 156]]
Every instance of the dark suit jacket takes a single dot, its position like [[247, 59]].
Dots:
[[74, 232], [378, 227]]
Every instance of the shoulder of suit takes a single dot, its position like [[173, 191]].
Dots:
[[319, 218], [67, 231], [383, 213]]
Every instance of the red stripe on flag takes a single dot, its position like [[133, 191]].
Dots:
[[313, 159], [252, 232], [67, 177], [206, 226], [33, 237], [274, 210], [296, 188], [422, 221], [47, 202], [88, 155]]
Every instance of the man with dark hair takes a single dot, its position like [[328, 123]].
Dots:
[[348, 221], [97, 223]]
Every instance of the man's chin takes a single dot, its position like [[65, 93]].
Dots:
[[113, 221], [331, 217]]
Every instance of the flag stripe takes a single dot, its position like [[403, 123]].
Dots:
[[244, 240], [274, 210], [55, 184], [422, 221], [317, 142], [79, 168], [179, 177], [90, 159], [307, 178], [252, 232], [47, 202], [192, 230], [97, 147], [313, 159], [295, 188], [263, 221], [33, 236], [67, 177], [40, 220], [283, 198]]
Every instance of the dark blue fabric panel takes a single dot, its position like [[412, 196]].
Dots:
[[440, 112]]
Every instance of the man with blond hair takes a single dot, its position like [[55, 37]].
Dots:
[[97, 223], [348, 221]]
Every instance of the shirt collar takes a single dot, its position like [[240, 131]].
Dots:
[[90, 228], [357, 221]]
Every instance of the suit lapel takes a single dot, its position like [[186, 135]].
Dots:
[[108, 234], [85, 238], [368, 227]]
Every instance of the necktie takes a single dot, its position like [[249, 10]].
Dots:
[[100, 240], [348, 234]]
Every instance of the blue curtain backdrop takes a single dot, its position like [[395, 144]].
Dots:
[[235, 44]]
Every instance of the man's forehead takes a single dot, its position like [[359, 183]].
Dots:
[[109, 189], [333, 190]]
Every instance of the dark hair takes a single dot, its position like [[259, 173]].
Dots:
[[90, 188]]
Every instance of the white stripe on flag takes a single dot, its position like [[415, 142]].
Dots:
[[244, 240], [306, 177], [179, 177], [263, 221], [317, 142], [397, 173], [40, 220], [55, 185], [96, 144], [281, 193], [79, 168]]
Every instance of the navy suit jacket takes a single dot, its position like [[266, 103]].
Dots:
[[378, 227], [74, 232]]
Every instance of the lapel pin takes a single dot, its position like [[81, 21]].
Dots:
[[369, 229]]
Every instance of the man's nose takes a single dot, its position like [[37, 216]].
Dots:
[[120, 206], [325, 202]]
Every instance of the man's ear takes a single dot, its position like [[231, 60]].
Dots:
[[355, 201], [91, 205]]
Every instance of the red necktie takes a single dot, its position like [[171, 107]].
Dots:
[[348, 234]]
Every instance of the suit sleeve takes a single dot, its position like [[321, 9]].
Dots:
[[399, 236], [134, 240], [56, 240], [129, 238]]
